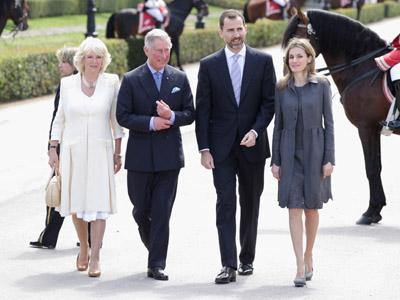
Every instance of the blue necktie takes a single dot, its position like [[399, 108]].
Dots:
[[236, 77], [157, 79]]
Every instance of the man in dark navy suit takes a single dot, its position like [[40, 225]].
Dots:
[[234, 105], [154, 100]]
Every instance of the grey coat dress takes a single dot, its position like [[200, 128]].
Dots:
[[317, 140]]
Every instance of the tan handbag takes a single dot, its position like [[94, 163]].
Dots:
[[53, 190]]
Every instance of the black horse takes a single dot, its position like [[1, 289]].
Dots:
[[349, 49], [126, 22], [16, 10]]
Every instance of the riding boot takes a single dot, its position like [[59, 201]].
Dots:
[[395, 124]]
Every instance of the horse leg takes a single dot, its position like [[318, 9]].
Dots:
[[175, 47], [3, 22], [371, 143]]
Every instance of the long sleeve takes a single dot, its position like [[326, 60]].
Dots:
[[58, 122], [276, 139], [186, 115], [329, 150], [266, 112], [125, 116], [116, 128], [203, 107]]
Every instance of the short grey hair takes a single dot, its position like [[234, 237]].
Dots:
[[66, 54], [154, 34], [96, 46]]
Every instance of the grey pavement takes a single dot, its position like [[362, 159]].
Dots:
[[350, 261]]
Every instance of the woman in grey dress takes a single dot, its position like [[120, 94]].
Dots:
[[303, 149]]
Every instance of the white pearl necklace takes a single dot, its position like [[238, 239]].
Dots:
[[89, 85]]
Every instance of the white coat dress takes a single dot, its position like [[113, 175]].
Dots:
[[86, 127]]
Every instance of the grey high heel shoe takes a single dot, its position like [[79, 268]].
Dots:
[[299, 281], [309, 275]]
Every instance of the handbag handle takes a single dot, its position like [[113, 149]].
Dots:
[[53, 173]]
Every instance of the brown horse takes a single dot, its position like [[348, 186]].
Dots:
[[17, 11], [126, 22], [256, 9], [349, 49]]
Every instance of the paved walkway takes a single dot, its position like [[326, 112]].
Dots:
[[351, 262]]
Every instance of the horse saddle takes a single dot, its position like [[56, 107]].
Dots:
[[147, 22]]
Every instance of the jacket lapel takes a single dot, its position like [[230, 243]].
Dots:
[[224, 75], [249, 65], [148, 83], [166, 83]]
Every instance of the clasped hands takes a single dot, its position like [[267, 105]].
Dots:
[[164, 115], [327, 170], [207, 161]]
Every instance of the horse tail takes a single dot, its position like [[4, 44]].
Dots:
[[110, 27], [245, 13]]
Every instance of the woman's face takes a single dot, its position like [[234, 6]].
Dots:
[[65, 68], [298, 60], [93, 62]]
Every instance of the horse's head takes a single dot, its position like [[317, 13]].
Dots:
[[19, 14], [300, 26], [202, 8]]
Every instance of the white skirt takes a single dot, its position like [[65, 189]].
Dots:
[[92, 216]]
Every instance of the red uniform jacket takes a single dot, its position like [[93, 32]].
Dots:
[[392, 58]]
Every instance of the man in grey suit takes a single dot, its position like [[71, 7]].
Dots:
[[154, 100], [234, 105]]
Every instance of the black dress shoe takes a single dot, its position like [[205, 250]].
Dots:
[[157, 274], [245, 269], [227, 275], [40, 245]]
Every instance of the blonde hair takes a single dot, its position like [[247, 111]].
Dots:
[[310, 52], [66, 54], [91, 45]]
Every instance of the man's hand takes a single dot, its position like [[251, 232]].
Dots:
[[327, 170], [249, 140], [161, 124], [163, 110], [207, 160]]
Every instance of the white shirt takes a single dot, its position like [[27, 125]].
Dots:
[[229, 58]]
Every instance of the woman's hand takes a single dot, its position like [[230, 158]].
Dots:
[[53, 159], [327, 170], [117, 163], [276, 171]]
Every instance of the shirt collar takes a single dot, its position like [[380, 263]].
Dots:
[[152, 70], [229, 53]]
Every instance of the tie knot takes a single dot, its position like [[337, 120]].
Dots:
[[236, 57], [157, 75]]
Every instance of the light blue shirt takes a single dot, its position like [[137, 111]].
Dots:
[[172, 118]]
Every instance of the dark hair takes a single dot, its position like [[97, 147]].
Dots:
[[230, 14]]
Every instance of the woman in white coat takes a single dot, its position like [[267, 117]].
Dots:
[[85, 127]]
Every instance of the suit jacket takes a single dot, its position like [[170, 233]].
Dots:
[[152, 151], [219, 120]]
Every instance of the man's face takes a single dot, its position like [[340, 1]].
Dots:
[[158, 54], [233, 33]]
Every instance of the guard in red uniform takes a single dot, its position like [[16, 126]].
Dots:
[[391, 61]]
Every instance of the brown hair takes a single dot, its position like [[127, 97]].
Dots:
[[310, 52], [230, 14]]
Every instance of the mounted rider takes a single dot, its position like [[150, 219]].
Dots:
[[157, 9], [391, 61]]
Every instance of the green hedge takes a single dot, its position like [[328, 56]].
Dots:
[[392, 9], [48, 8], [237, 4], [37, 74]]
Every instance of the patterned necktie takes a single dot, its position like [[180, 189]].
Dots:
[[157, 79], [236, 77]]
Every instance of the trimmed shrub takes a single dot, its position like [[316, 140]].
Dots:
[[392, 9], [48, 8], [237, 4]]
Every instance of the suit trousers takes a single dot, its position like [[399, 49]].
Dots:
[[251, 184], [54, 221], [152, 195]]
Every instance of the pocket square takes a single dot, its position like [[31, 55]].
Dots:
[[175, 90]]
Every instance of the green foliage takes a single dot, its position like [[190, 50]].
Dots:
[[392, 9], [47, 8], [236, 4], [136, 56]]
